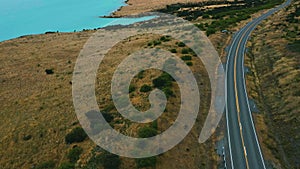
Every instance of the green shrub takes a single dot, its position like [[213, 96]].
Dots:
[[156, 42], [165, 38], [74, 154], [140, 75], [210, 31], [131, 88], [146, 132], [186, 57], [46, 165], [205, 16], [185, 51], [66, 165], [180, 44], [173, 50], [146, 162], [109, 161], [189, 63], [76, 135], [154, 124], [201, 26], [163, 80], [145, 88], [108, 117], [49, 71], [168, 92]]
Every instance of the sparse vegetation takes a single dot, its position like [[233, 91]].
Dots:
[[165, 80], [146, 132], [145, 88], [66, 165], [131, 88], [173, 50], [146, 162], [222, 17], [110, 161], [165, 38], [185, 51], [107, 116], [74, 154], [45, 165], [76, 135], [55, 108], [49, 71], [186, 57], [180, 44], [156, 42], [189, 63], [274, 83]]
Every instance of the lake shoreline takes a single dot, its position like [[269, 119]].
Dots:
[[137, 7]]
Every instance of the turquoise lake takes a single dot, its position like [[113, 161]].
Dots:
[[24, 17]]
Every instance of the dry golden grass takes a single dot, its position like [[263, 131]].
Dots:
[[135, 7], [39, 105], [189, 153], [274, 83], [33, 103]]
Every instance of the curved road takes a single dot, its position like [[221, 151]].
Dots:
[[244, 148]]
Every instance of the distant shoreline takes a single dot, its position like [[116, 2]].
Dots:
[[113, 13], [136, 7]]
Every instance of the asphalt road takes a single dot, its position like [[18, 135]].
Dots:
[[244, 149]]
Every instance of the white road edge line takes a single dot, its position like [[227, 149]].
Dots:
[[226, 72], [243, 71], [250, 114]]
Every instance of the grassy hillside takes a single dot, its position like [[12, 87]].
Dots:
[[39, 128], [274, 84]]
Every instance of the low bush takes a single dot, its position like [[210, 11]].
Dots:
[[205, 16], [145, 88], [109, 161], [168, 92], [185, 51], [131, 88], [186, 57], [165, 38], [189, 63], [49, 71], [163, 80], [66, 165], [146, 162], [156, 42], [108, 117], [74, 154], [210, 31], [140, 75], [180, 44], [173, 50], [76, 135], [154, 124], [146, 132]]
